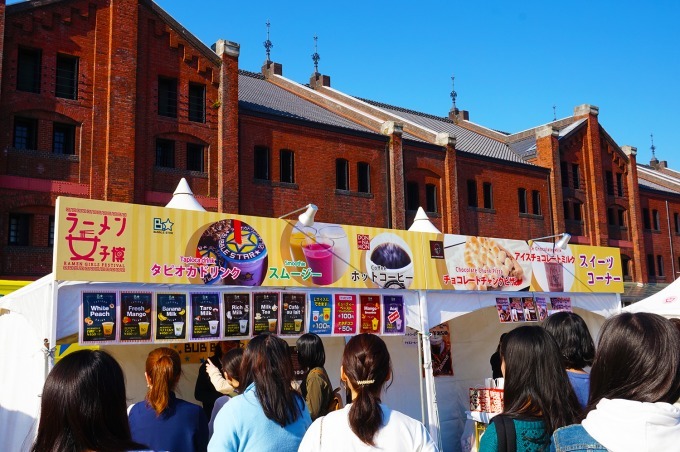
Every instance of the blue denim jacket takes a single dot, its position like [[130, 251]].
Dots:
[[573, 438]]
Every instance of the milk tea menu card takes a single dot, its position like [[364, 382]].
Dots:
[[99, 317], [265, 312], [135, 310], [320, 313], [345, 314], [370, 314], [236, 314], [393, 307], [205, 313], [293, 313], [171, 316]]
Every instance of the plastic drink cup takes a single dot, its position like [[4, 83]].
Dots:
[[246, 252], [107, 328], [326, 314], [179, 326], [298, 324], [374, 324], [319, 255], [340, 249], [242, 326], [315, 316], [555, 276], [213, 326], [143, 328], [297, 237], [272, 325], [398, 323]]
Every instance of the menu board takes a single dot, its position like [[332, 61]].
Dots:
[[345, 314], [205, 312], [99, 317], [236, 314], [171, 316], [293, 313], [135, 309], [265, 312], [393, 307], [370, 314], [320, 313]]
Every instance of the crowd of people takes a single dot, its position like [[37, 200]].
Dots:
[[562, 393], [627, 402]]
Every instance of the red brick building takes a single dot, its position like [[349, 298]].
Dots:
[[117, 101]]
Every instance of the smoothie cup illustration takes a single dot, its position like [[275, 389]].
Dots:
[[244, 249], [319, 256], [340, 249], [243, 326], [272, 325], [107, 328], [143, 328], [179, 326], [213, 326], [298, 325], [297, 237]]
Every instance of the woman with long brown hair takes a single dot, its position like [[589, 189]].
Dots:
[[269, 416], [163, 421], [366, 423]]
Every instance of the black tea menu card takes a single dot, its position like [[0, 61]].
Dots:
[[293, 313], [265, 312], [135, 310], [236, 314], [99, 317], [171, 315], [205, 310]]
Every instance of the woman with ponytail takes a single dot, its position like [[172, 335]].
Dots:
[[366, 423], [163, 421]]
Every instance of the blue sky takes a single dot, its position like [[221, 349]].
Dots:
[[512, 60]]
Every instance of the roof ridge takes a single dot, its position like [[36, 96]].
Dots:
[[405, 110], [251, 74]]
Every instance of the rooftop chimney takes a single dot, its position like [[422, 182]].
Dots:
[[456, 115]]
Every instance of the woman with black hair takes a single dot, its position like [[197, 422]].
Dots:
[[231, 370], [366, 423], [269, 415], [634, 381], [577, 347], [538, 398], [316, 387], [83, 406]]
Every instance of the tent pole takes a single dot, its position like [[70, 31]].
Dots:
[[421, 376], [432, 410]]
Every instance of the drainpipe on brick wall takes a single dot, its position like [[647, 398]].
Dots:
[[550, 206], [670, 239]]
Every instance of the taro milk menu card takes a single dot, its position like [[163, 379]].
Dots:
[[293, 313], [320, 313], [99, 317], [265, 312], [236, 314], [171, 316], [370, 314], [393, 307], [205, 312], [345, 314], [135, 308]]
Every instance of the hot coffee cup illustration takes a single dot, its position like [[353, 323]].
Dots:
[[389, 262]]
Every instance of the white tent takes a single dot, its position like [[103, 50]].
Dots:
[[665, 302]]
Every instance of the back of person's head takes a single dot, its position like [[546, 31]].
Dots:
[[637, 358], [267, 363], [573, 338], [367, 365], [310, 351], [83, 406], [536, 383], [163, 369], [231, 363]]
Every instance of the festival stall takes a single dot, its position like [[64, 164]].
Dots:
[[129, 278], [666, 302]]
